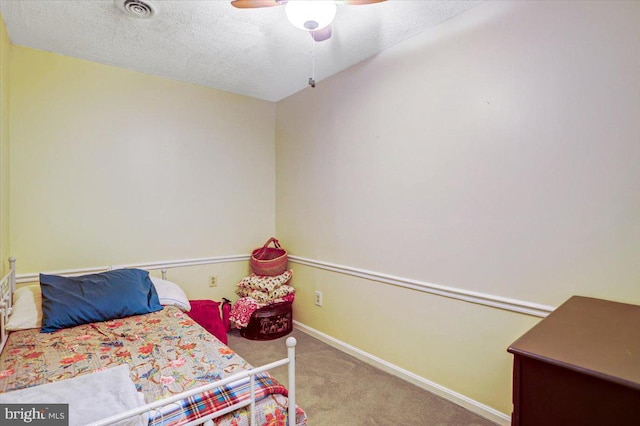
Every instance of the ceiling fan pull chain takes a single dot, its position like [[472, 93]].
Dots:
[[312, 81]]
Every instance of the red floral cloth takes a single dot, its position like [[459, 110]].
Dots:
[[244, 307], [241, 311]]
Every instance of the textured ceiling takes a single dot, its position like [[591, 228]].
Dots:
[[254, 52]]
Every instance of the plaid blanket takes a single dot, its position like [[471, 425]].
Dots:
[[203, 404]]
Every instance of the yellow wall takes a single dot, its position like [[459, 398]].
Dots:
[[116, 167], [5, 47], [496, 153]]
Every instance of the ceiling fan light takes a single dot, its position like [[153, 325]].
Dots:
[[310, 15]]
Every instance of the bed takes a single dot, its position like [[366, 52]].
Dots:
[[166, 368]]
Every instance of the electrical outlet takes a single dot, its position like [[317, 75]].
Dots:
[[213, 281], [318, 298]]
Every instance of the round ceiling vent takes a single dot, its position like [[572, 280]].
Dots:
[[137, 8]]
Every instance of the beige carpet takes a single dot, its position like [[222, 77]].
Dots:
[[336, 389]]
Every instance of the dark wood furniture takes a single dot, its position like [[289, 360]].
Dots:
[[269, 322], [579, 366]]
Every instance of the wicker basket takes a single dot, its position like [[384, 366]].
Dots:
[[269, 261]]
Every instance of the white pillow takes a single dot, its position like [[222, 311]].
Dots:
[[171, 294], [27, 308]]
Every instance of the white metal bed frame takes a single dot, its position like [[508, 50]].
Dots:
[[8, 287]]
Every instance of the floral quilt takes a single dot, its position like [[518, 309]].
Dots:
[[166, 351]]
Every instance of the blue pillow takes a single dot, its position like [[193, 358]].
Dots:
[[71, 301]]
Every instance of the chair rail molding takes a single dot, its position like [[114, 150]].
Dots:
[[166, 264], [499, 302], [513, 305]]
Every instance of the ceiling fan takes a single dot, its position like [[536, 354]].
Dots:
[[314, 16]]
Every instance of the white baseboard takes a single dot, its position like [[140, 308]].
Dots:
[[448, 394]]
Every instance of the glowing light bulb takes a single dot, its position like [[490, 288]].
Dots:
[[310, 15]]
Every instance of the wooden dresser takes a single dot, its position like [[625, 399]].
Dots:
[[579, 366]]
